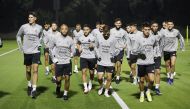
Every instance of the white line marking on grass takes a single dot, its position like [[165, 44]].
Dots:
[[8, 52], [122, 104]]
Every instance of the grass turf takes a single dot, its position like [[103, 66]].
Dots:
[[13, 87]]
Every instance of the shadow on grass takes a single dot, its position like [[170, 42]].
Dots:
[[2, 94], [41, 89]]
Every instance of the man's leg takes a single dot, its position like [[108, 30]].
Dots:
[[58, 87], [53, 73], [66, 87], [100, 81], [133, 69], [28, 77], [141, 87], [173, 61], [84, 79], [108, 83], [168, 70], [47, 63], [34, 79], [91, 79], [150, 85], [76, 64]]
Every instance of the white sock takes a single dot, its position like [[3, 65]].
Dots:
[[157, 86], [142, 93], [85, 85], [172, 76], [117, 77], [90, 82], [47, 68], [76, 67], [135, 77], [65, 92], [34, 87], [168, 74], [53, 77], [29, 84], [148, 90], [106, 91]]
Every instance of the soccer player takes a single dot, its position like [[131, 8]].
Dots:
[[158, 53], [46, 48], [78, 32], [117, 32], [133, 36], [144, 48], [61, 49], [31, 33], [86, 45], [105, 51], [52, 34], [170, 44]]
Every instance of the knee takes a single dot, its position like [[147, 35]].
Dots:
[[151, 82]]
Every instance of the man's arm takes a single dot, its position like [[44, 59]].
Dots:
[[19, 39], [181, 40]]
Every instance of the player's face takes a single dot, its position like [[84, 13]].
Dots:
[[106, 34], [86, 31], [78, 28], [54, 27], [170, 25], [101, 27], [128, 29], [31, 19], [46, 26], [154, 27], [118, 24], [64, 30], [133, 28], [146, 31], [164, 25]]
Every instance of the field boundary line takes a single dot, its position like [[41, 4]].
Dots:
[[8, 52], [118, 99]]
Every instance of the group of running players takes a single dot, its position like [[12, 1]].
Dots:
[[101, 53]]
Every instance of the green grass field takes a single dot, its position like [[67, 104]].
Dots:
[[13, 87]]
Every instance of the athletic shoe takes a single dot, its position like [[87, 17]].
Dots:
[[106, 95], [168, 80], [33, 94], [85, 90], [29, 89], [89, 86], [141, 98], [148, 95], [100, 91], [58, 92], [117, 81], [171, 81], [158, 91], [65, 97], [53, 80]]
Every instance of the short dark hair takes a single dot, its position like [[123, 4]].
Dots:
[[170, 20], [106, 28], [32, 13], [154, 22], [86, 25], [118, 19], [133, 24], [78, 24], [145, 24]]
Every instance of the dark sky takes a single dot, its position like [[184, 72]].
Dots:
[[14, 12]]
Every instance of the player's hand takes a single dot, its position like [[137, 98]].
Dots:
[[112, 59], [99, 59], [21, 49], [141, 56], [91, 47]]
